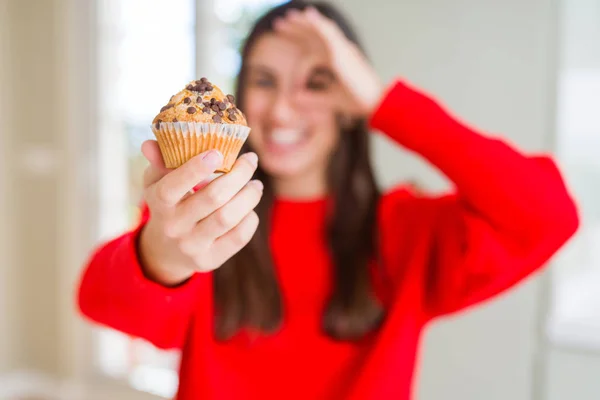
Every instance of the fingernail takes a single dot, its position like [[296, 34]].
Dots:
[[258, 185], [213, 157], [252, 158]]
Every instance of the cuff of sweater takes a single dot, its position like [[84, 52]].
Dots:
[[130, 261]]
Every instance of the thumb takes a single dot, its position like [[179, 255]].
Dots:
[[152, 153], [156, 170]]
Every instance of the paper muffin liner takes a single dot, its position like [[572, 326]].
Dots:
[[180, 141]]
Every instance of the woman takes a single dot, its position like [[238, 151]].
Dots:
[[330, 296]]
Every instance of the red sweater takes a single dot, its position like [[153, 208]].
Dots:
[[509, 215]]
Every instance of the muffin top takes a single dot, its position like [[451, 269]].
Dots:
[[201, 101]]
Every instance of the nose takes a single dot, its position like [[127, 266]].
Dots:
[[283, 111]]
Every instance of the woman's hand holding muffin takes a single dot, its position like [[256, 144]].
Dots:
[[193, 229], [197, 232]]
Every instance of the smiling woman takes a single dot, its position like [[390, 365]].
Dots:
[[329, 296]]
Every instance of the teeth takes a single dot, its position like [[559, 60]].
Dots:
[[286, 136]]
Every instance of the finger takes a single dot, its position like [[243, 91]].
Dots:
[[236, 239], [216, 194], [156, 170], [322, 24], [230, 215], [173, 187], [294, 26]]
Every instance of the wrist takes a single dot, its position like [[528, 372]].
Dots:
[[153, 263], [373, 98]]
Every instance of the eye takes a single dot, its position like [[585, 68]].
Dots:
[[317, 85], [320, 80], [263, 82]]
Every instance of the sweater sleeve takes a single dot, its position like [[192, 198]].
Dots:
[[510, 212], [115, 292]]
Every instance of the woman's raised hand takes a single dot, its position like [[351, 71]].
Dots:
[[360, 88]]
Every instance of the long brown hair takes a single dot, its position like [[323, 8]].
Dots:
[[246, 289]]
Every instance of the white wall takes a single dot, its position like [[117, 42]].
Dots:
[[494, 64]]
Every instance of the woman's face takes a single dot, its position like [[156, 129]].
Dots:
[[293, 131]]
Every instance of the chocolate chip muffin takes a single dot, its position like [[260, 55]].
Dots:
[[200, 118]]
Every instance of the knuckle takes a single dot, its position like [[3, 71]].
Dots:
[[162, 193], [188, 248], [254, 220], [215, 197], [255, 196], [147, 174], [188, 172], [240, 238], [147, 196], [170, 229], [224, 219], [203, 263], [247, 166]]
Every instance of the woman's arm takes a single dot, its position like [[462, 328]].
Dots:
[[115, 292], [184, 239], [509, 215]]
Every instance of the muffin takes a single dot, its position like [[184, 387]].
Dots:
[[197, 119]]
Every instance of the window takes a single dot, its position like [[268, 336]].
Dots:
[[147, 53], [575, 312], [576, 308], [137, 75]]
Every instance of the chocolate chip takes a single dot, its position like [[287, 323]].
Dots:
[[232, 117], [199, 100], [215, 107], [203, 79], [206, 104], [198, 86], [216, 118], [232, 110], [167, 107], [220, 113], [191, 110], [157, 125], [206, 110], [187, 100], [212, 100], [231, 98], [174, 119], [222, 105]]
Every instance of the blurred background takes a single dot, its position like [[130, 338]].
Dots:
[[80, 81]]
